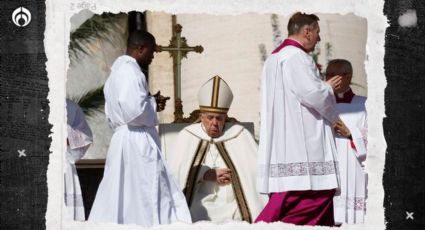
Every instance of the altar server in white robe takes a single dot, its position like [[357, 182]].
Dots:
[[214, 161], [78, 140], [349, 205], [137, 186], [297, 153]]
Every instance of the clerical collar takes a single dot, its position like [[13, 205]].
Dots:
[[289, 42], [345, 97]]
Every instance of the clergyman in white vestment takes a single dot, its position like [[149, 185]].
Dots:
[[297, 153], [215, 162], [349, 205], [79, 139], [137, 186]]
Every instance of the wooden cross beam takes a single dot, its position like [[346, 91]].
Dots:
[[178, 49]]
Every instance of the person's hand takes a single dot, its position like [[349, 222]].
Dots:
[[335, 82], [222, 176], [341, 128], [161, 101]]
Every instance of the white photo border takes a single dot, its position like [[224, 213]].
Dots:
[[56, 42]]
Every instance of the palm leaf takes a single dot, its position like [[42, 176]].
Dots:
[[96, 26], [92, 101], [263, 52], [277, 34]]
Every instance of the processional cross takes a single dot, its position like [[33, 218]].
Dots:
[[178, 49]]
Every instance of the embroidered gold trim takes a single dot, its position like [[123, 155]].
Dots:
[[213, 110], [216, 88], [236, 184], [194, 170]]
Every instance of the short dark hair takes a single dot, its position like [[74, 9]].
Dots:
[[139, 37], [346, 67], [299, 20]]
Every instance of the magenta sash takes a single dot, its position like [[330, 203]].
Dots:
[[289, 42]]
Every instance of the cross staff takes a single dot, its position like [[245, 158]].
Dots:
[[178, 49]]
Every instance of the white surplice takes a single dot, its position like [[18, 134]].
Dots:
[[137, 187], [350, 206], [297, 147], [211, 201], [79, 139]]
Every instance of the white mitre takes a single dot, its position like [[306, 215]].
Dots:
[[215, 96]]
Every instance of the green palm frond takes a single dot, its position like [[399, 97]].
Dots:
[[97, 25], [92, 101], [263, 52]]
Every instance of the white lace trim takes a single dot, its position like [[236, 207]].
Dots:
[[356, 203], [300, 169]]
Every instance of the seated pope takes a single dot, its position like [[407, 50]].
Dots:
[[215, 161]]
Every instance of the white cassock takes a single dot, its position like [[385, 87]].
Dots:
[[349, 206], [297, 147], [137, 187], [79, 139], [196, 152]]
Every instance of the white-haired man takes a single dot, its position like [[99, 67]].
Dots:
[[214, 161]]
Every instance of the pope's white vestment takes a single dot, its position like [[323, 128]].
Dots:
[[297, 148], [195, 152], [350, 206], [79, 139], [137, 187]]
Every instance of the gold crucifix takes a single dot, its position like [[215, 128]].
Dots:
[[178, 49]]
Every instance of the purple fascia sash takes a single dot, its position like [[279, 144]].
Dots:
[[289, 42]]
